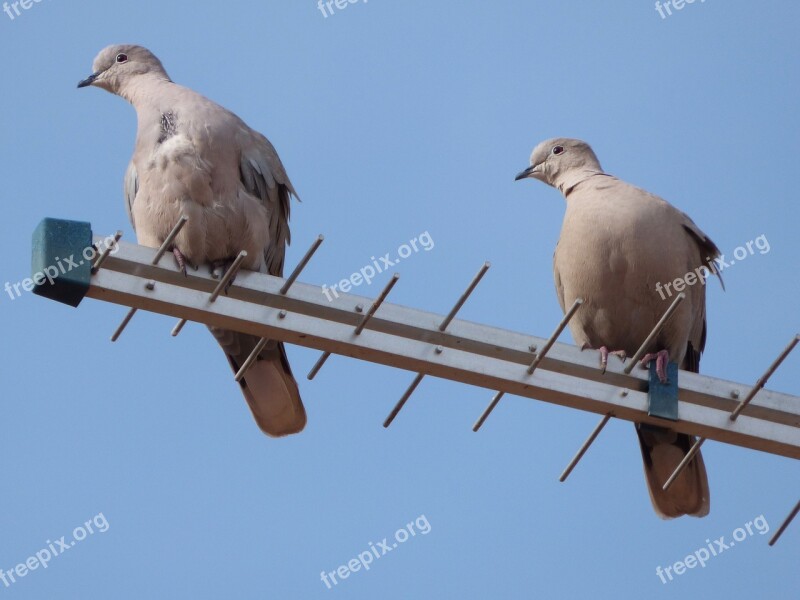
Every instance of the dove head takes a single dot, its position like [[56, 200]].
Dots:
[[559, 161], [117, 66]]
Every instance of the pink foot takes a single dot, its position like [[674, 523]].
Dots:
[[218, 270], [604, 352], [662, 360], [181, 259]]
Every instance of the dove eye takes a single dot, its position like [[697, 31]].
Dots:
[[558, 149], [121, 58]]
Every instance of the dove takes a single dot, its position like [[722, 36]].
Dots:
[[193, 157], [618, 242]]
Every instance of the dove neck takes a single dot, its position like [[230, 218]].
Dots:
[[569, 181], [146, 87]]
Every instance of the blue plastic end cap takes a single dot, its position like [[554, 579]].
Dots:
[[60, 269]]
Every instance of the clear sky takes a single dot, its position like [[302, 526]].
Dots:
[[393, 119]]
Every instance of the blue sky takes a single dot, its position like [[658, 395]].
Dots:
[[392, 119]]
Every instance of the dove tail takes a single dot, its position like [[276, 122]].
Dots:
[[268, 385], [662, 451]]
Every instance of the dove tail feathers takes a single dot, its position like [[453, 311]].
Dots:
[[268, 385], [662, 451]]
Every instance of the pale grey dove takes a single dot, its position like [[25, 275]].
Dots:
[[193, 157], [617, 243]]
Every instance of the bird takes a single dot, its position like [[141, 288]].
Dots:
[[195, 158], [618, 243]]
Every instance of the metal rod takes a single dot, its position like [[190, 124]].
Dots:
[[785, 524], [487, 411], [102, 258], [123, 325], [170, 238], [178, 327], [375, 305], [318, 365], [450, 316], [159, 253], [297, 270], [686, 459], [228, 276], [475, 281], [302, 264], [762, 381], [549, 344], [250, 359], [656, 330], [403, 400], [589, 441]]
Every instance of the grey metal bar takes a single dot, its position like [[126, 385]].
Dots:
[[442, 327], [224, 281], [589, 441], [737, 411], [302, 264], [228, 276], [287, 284], [467, 293], [656, 330], [102, 258], [318, 365], [178, 327], [159, 253], [360, 327], [532, 367], [170, 238], [682, 465], [549, 344], [403, 400], [251, 359], [123, 325], [474, 354], [762, 381], [376, 305], [785, 524], [487, 411]]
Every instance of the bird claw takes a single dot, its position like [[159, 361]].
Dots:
[[218, 270], [604, 352], [662, 360], [182, 261]]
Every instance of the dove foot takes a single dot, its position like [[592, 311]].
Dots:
[[662, 360], [181, 260], [218, 270], [604, 353]]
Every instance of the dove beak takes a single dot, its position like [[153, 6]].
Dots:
[[88, 81], [529, 172]]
